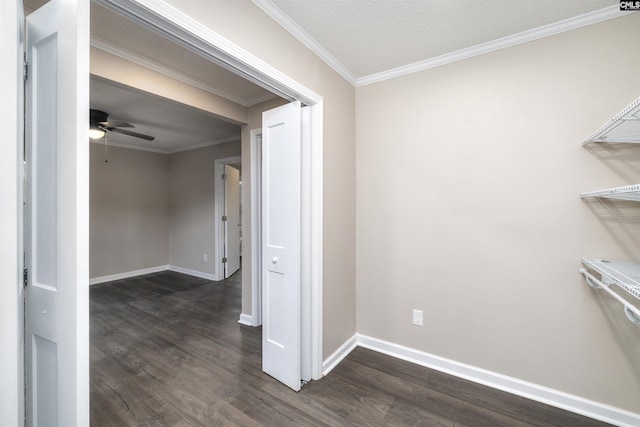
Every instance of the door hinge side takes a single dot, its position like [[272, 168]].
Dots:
[[25, 277], [224, 217], [25, 73], [224, 176], [224, 259]]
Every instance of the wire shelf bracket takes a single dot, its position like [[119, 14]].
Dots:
[[624, 127], [624, 275]]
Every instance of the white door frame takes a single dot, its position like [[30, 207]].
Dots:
[[11, 262], [255, 159], [218, 170], [159, 16]]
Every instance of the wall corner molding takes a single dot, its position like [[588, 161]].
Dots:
[[337, 356], [501, 43], [246, 319], [303, 37]]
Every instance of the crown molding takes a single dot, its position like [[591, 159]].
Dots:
[[165, 151], [175, 24], [150, 64], [501, 43], [204, 144], [288, 24], [129, 146]]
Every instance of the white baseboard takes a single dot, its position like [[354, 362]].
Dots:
[[127, 274], [246, 319], [549, 396], [559, 399], [337, 356], [193, 273]]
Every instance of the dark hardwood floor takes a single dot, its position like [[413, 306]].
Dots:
[[166, 350]]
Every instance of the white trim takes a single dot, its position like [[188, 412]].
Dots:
[[194, 273], [317, 243], [163, 151], [11, 294], [501, 43], [195, 36], [205, 144], [129, 146], [256, 224], [526, 36], [291, 26], [246, 319], [338, 356], [549, 396], [150, 64], [127, 274], [142, 272], [219, 201]]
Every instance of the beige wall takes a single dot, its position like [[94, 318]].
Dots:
[[468, 207], [150, 209], [129, 219], [244, 24], [192, 206]]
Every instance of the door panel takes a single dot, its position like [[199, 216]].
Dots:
[[56, 238], [232, 224], [281, 135]]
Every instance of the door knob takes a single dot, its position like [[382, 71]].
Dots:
[[274, 259]]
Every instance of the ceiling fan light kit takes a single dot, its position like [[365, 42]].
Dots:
[[99, 126]]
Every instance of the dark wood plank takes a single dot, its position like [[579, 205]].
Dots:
[[166, 350]]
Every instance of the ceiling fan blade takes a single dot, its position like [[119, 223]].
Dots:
[[116, 124], [134, 134]]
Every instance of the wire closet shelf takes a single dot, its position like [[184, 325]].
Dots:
[[623, 128]]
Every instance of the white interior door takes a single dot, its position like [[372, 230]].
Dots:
[[57, 203], [281, 136], [232, 224]]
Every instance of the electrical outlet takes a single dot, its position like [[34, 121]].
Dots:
[[205, 258], [417, 317]]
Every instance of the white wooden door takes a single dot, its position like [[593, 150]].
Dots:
[[232, 224], [281, 136], [57, 203]]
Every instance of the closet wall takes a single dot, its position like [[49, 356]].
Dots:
[[468, 180]]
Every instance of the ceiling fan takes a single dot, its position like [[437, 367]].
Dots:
[[100, 125]]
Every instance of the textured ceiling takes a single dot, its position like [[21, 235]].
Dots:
[[372, 36]]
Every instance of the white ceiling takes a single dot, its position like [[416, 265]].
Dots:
[[175, 126], [367, 37]]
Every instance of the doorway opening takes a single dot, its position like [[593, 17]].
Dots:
[[187, 33], [228, 215], [180, 28]]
